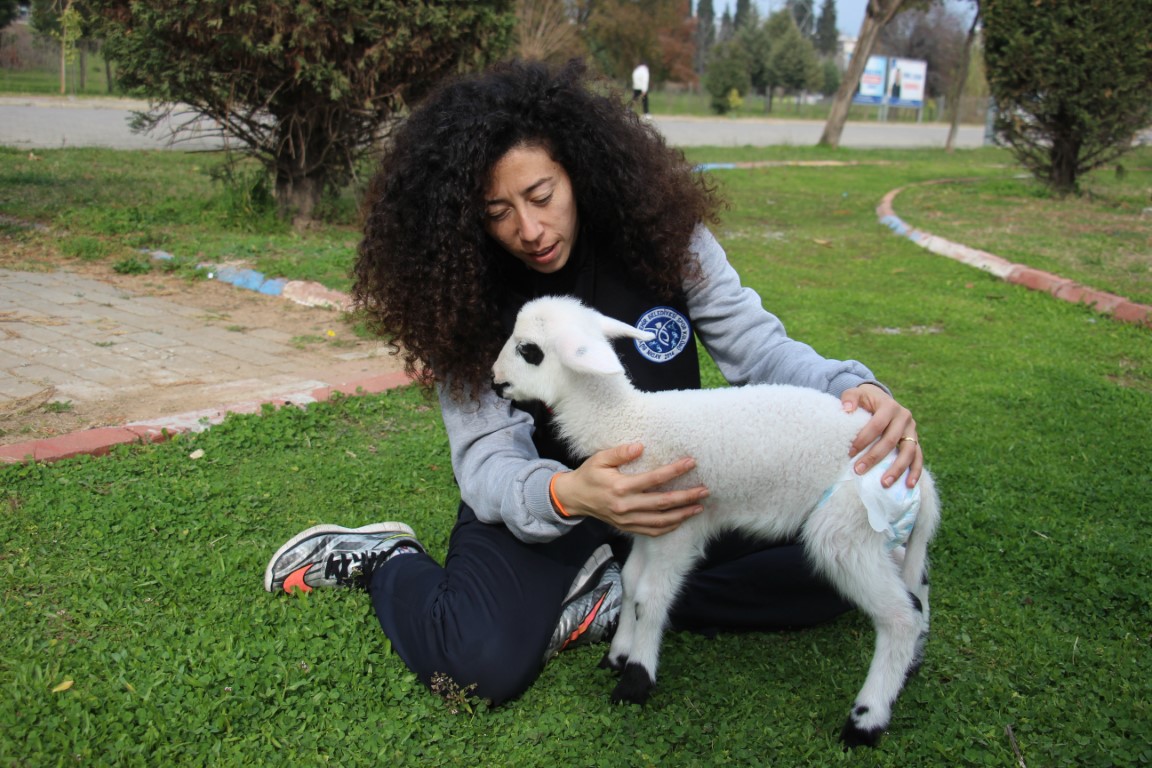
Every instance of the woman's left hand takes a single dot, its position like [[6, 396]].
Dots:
[[893, 424]]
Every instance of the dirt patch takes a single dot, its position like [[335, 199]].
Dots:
[[309, 345]]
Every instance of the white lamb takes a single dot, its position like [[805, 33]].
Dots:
[[775, 461]]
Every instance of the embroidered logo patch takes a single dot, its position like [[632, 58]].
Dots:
[[671, 330]]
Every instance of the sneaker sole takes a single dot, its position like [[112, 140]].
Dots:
[[592, 569], [316, 530]]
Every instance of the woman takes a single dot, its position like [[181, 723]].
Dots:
[[526, 181]]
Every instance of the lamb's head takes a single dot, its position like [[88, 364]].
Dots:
[[555, 338]]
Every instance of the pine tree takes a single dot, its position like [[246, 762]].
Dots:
[[705, 33], [1071, 80], [827, 33], [742, 10]]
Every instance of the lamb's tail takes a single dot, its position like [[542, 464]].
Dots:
[[915, 568]]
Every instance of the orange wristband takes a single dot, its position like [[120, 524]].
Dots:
[[555, 501]]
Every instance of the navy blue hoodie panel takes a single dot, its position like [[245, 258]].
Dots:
[[605, 285]]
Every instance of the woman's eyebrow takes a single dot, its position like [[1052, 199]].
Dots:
[[525, 193]]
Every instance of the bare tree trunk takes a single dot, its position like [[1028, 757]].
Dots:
[[878, 13], [63, 66], [961, 80], [297, 198]]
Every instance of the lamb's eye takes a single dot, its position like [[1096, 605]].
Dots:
[[531, 353]]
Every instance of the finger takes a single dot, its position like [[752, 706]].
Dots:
[[621, 455], [659, 523], [891, 439], [908, 457], [669, 501], [664, 474], [916, 470], [865, 437]]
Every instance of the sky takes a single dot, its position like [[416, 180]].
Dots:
[[849, 13]]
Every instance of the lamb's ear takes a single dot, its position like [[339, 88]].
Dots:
[[614, 329], [583, 352]]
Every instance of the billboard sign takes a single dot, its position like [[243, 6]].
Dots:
[[892, 82], [906, 82], [873, 81]]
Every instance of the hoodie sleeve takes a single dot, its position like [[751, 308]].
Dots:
[[500, 474], [748, 343]]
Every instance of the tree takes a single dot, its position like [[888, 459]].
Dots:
[[545, 30], [622, 33], [793, 64], [831, 81], [777, 27], [934, 34], [741, 17], [9, 11], [727, 27], [306, 86], [827, 32], [1071, 81], [727, 79], [705, 33], [753, 38], [678, 47], [876, 15], [961, 78], [803, 14], [62, 21]]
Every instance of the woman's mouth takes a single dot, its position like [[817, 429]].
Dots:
[[542, 256]]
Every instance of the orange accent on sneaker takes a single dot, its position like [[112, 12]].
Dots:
[[587, 622], [295, 579]]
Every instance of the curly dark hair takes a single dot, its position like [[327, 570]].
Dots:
[[429, 277]]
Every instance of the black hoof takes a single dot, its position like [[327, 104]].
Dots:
[[607, 663], [635, 685], [854, 736]]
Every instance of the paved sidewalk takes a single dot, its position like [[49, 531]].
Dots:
[[65, 337]]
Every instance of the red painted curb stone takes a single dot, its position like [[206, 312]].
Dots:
[[1062, 288], [99, 441]]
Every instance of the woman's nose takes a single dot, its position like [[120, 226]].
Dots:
[[530, 228]]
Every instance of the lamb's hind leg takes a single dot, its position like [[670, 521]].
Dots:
[[666, 561], [868, 577]]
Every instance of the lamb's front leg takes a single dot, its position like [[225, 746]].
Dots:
[[617, 656], [666, 561]]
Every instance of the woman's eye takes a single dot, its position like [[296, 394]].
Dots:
[[497, 215], [543, 200]]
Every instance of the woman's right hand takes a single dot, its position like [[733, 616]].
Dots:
[[628, 502]]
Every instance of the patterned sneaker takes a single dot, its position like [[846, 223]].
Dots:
[[592, 606], [332, 556]]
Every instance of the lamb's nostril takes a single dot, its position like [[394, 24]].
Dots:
[[498, 387]]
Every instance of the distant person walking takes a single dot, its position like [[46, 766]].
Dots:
[[640, 78]]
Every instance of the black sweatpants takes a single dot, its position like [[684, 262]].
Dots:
[[485, 617]]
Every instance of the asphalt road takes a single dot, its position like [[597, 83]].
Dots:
[[45, 123]]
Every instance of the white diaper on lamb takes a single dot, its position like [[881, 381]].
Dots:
[[775, 461]]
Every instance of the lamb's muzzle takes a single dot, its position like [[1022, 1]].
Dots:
[[791, 479]]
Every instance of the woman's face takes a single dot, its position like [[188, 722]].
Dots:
[[530, 210]]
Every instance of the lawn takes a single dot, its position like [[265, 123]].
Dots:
[[137, 633]]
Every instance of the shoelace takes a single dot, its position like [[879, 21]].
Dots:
[[353, 567]]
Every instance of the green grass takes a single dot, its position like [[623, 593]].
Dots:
[[1013, 216], [136, 577], [106, 204]]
